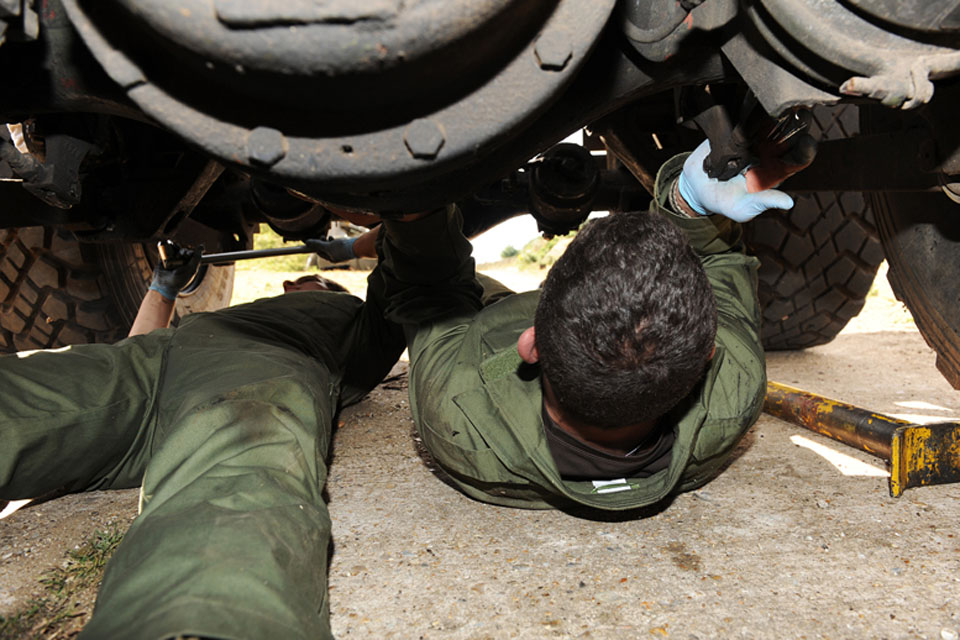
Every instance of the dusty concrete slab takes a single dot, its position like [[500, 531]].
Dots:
[[780, 545]]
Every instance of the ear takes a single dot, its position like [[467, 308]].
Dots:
[[527, 346], [713, 352], [287, 285]]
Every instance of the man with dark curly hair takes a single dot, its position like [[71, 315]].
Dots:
[[629, 377]]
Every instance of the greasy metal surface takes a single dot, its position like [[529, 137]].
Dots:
[[616, 191], [629, 135], [358, 48], [18, 21], [59, 181], [927, 15], [612, 79], [924, 455], [205, 179], [765, 34], [337, 66], [56, 74], [865, 430], [776, 88], [563, 186], [894, 69], [646, 22], [9, 8], [850, 164], [23, 209], [308, 147], [660, 30], [54, 180], [729, 146]]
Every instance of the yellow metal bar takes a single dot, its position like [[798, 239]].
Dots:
[[865, 430], [924, 455], [919, 455]]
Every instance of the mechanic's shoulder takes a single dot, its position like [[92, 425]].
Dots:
[[507, 308]]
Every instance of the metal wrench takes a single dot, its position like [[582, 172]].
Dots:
[[233, 256]]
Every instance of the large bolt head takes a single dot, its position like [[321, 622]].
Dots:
[[553, 50], [423, 138], [266, 146]]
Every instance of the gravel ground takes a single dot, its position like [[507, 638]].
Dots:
[[785, 543]]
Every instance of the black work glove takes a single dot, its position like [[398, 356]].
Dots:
[[175, 271], [337, 250]]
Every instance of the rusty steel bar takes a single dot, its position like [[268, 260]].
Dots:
[[919, 455], [924, 455], [865, 430]]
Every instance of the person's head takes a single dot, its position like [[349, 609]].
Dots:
[[626, 321], [312, 282]]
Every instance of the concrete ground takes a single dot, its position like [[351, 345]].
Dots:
[[783, 544], [786, 543]]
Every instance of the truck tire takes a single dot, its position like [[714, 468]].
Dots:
[[817, 264], [818, 260], [921, 239], [56, 291]]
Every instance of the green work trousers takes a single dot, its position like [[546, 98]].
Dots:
[[227, 435]]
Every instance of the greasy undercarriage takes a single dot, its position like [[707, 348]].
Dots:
[[197, 120]]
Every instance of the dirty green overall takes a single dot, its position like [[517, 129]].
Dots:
[[478, 409], [226, 424]]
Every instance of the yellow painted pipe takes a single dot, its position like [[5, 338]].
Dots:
[[919, 455]]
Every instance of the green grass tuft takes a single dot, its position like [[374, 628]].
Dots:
[[60, 611]]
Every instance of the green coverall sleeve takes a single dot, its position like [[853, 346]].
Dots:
[[430, 283], [376, 345], [718, 241]]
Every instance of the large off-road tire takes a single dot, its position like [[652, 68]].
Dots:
[[818, 260], [56, 291], [921, 238], [817, 263]]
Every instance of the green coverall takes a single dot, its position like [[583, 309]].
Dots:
[[226, 424], [478, 408]]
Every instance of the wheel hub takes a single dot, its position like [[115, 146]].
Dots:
[[345, 100]]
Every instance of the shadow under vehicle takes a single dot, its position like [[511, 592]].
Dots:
[[196, 120]]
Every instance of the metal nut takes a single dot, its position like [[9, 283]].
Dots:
[[266, 146], [553, 50], [423, 138]]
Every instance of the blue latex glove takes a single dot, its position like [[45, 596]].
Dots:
[[337, 250], [708, 196], [182, 266]]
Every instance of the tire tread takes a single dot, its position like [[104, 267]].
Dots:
[[817, 261], [56, 291]]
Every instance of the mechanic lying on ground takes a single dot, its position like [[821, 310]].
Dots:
[[628, 378], [626, 393], [226, 423]]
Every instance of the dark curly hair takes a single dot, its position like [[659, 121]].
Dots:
[[626, 321]]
